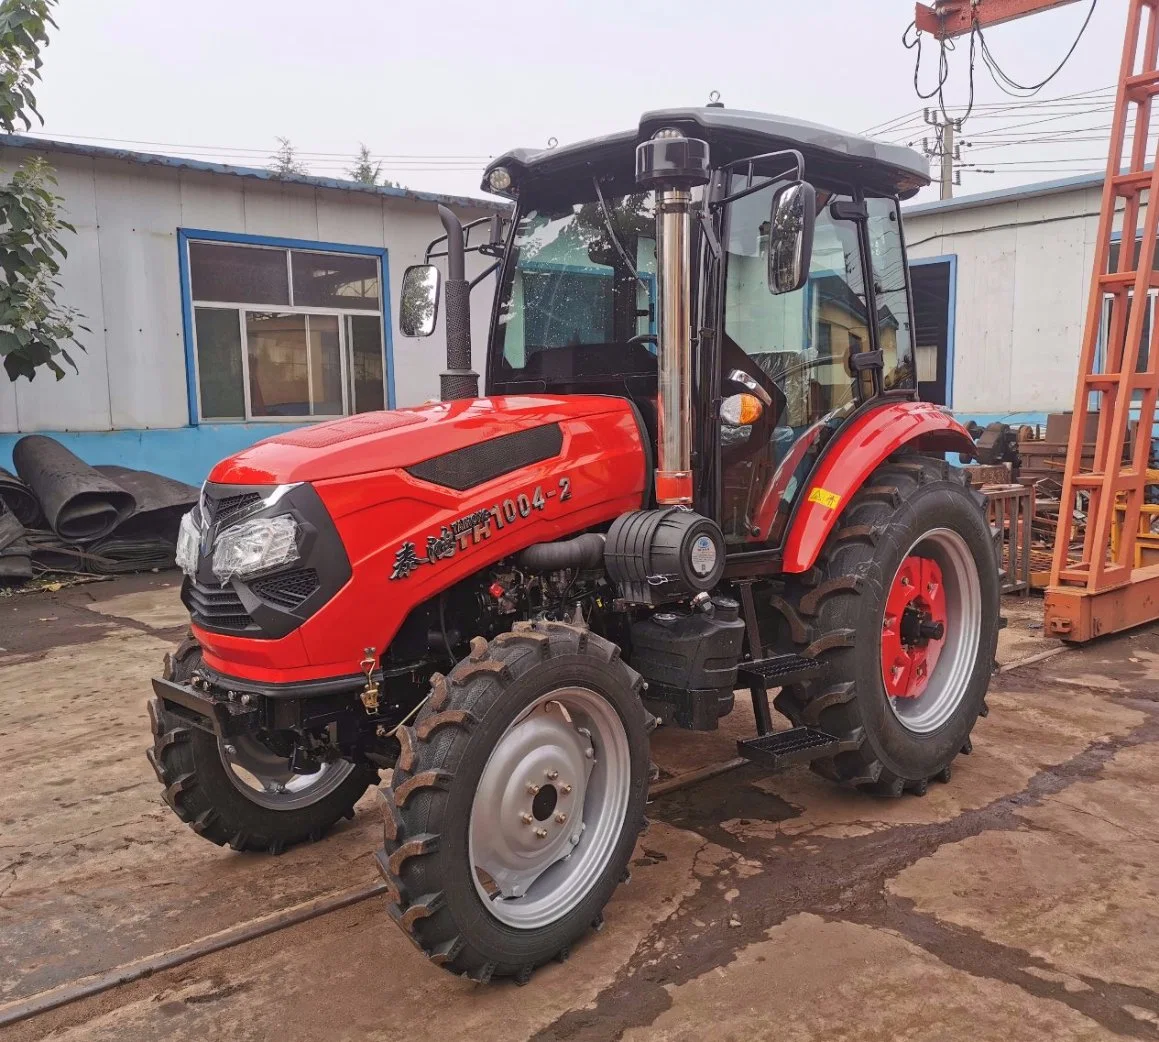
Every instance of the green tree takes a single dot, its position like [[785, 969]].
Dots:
[[285, 163], [34, 326], [365, 171]]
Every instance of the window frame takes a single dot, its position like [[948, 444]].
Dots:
[[186, 236]]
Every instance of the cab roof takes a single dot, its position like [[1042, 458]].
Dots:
[[733, 134]]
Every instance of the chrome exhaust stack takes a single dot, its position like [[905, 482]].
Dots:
[[672, 165]]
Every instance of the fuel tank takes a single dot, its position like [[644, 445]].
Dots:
[[420, 499]]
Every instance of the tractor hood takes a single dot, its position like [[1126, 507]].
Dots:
[[378, 441]]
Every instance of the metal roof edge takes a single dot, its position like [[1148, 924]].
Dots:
[[181, 163], [1006, 195]]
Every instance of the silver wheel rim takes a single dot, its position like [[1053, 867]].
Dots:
[[264, 777], [565, 757], [950, 679]]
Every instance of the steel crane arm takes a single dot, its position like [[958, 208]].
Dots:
[[949, 18]]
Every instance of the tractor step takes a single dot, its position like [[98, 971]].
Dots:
[[778, 671], [785, 748], [761, 674]]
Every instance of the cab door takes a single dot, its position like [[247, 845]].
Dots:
[[820, 351]]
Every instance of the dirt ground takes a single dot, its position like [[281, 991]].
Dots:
[[1019, 901]]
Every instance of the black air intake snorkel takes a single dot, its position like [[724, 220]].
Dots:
[[459, 380]]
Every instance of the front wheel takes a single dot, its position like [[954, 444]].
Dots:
[[514, 807], [242, 791], [903, 607]]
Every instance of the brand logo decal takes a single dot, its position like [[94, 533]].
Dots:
[[471, 529]]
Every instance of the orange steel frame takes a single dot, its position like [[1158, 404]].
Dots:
[[1104, 590]]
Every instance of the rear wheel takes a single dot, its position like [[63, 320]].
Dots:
[[242, 791], [903, 607], [516, 801]]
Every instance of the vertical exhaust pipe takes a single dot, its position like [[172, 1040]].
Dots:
[[672, 164], [459, 380]]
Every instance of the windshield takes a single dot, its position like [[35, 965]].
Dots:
[[570, 304]]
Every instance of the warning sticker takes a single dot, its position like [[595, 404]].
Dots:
[[824, 497]]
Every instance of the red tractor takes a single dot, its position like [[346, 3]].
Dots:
[[699, 465]]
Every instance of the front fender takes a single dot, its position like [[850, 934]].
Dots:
[[855, 453]]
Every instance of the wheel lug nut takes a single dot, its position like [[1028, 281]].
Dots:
[[541, 833], [565, 789], [561, 818], [552, 775], [526, 818], [532, 788], [589, 752]]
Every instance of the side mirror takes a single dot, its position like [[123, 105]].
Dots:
[[791, 219], [419, 307]]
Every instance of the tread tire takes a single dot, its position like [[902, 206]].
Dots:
[[427, 804], [198, 790], [833, 613]]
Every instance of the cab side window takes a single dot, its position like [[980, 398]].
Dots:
[[802, 340], [894, 334]]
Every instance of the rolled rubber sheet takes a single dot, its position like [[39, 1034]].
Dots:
[[19, 498], [79, 503], [160, 501], [15, 553], [99, 520]]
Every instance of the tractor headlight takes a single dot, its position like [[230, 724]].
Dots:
[[254, 546], [188, 537]]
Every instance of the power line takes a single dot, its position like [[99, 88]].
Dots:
[[1080, 102], [1101, 160]]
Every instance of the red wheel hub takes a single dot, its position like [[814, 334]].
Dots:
[[913, 630]]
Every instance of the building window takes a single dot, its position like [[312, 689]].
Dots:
[[285, 333]]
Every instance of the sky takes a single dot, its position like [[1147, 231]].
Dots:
[[436, 87]]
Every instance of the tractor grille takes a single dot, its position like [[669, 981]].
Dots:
[[217, 608], [288, 590], [228, 509]]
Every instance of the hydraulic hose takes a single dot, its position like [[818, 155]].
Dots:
[[584, 551]]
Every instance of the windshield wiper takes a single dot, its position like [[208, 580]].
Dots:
[[606, 213]]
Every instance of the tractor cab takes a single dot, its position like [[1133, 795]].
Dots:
[[768, 251]]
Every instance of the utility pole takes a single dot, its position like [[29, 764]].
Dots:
[[947, 185], [945, 150]]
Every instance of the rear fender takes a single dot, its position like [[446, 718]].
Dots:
[[857, 450]]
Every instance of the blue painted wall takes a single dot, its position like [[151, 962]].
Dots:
[[185, 453]]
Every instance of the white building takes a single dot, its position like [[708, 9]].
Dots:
[[1001, 282], [226, 305]]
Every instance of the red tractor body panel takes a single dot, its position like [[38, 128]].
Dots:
[[858, 449], [377, 441], [357, 466]]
